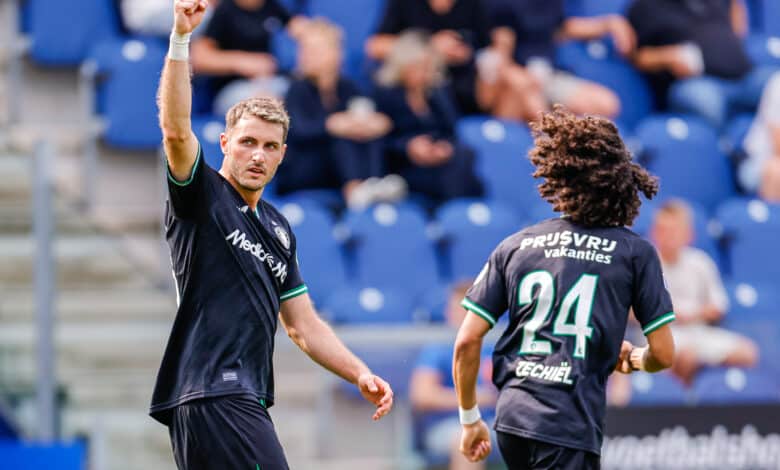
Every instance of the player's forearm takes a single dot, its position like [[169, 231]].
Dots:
[[465, 370], [320, 343], [175, 100]]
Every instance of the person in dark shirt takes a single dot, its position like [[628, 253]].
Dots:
[[568, 284], [236, 271], [235, 49], [694, 57], [336, 142], [525, 35], [422, 146], [458, 29]]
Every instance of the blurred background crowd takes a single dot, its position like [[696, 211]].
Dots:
[[406, 165]]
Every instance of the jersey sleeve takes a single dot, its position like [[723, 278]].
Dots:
[[293, 285], [187, 197], [487, 296], [651, 301]]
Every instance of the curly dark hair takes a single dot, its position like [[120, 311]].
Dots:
[[588, 173]]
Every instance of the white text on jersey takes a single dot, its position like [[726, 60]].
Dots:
[[555, 246], [535, 370], [238, 238]]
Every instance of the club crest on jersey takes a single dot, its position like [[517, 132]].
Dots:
[[283, 237]]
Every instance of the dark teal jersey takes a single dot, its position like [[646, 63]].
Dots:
[[233, 269], [568, 290]]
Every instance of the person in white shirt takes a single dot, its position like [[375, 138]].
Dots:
[[699, 299], [760, 172]]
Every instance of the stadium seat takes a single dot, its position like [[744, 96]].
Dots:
[[764, 49], [358, 24], [683, 151], [369, 305], [657, 389], [207, 129], [18, 455], [769, 12], [732, 385], [754, 313], [595, 7], [319, 252], [733, 135], [599, 62], [393, 364], [63, 32], [128, 73], [752, 228], [502, 159], [392, 248], [471, 230]]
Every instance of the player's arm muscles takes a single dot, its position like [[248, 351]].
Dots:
[[175, 103], [466, 359], [659, 352]]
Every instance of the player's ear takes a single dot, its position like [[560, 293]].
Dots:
[[223, 143]]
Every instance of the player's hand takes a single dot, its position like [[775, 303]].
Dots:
[[623, 363], [378, 392], [187, 15], [475, 441], [637, 358]]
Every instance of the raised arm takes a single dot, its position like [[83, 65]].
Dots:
[[175, 94], [310, 333]]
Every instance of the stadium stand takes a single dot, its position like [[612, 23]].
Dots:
[[595, 7], [657, 389], [751, 229], [728, 385], [207, 129], [65, 456], [367, 304]]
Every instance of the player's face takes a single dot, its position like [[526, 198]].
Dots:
[[253, 150]]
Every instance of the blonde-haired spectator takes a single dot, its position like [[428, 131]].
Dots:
[[699, 298]]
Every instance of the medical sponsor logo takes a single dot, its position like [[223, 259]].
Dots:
[[239, 239]]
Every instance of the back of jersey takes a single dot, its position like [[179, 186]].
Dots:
[[568, 290]]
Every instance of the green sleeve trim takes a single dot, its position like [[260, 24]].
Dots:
[[474, 308], [658, 323], [302, 289], [192, 174]]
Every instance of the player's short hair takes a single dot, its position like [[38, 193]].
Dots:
[[409, 47], [588, 172], [268, 109], [676, 208]]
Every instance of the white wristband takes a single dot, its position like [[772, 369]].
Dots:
[[179, 47], [469, 416]]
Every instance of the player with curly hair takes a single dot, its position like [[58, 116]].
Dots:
[[568, 284]]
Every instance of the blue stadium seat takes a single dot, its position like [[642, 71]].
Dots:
[[207, 129], [367, 304], [769, 12], [394, 365], [319, 252], [18, 455], [764, 49], [595, 7], [502, 159], [471, 230], [129, 73], [63, 32], [732, 385], [683, 151], [657, 389], [599, 62], [753, 313], [358, 24], [752, 228], [733, 135], [392, 248]]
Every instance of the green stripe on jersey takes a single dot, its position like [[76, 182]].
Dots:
[[658, 323], [471, 306], [192, 175], [302, 289]]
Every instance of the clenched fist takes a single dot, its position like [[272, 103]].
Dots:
[[187, 15]]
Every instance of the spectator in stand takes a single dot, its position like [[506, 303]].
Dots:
[[336, 139], [422, 146], [432, 391], [692, 53], [699, 299], [236, 48], [153, 17], [458, 30], [760, 172], [525, 33]]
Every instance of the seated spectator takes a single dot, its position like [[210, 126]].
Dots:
[[235, 47], [699, 299], [525, 33], [335, 143], [457, 28], [432, 391], [693, 55], [154, 17], [760, 172], [422, 146]]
